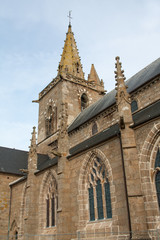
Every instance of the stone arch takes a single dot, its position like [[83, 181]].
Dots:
[[49, 177], [147, 162], [82, 186]]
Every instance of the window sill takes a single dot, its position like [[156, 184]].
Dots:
[[99, 220], [59, 210], [50, 227]]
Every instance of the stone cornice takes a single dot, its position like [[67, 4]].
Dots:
[[71, 78]]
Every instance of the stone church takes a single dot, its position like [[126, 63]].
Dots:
[[94, 170]]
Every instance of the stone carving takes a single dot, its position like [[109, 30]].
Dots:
[[120, 85], [63, 120]]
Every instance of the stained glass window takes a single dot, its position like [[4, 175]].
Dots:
[[157, 177], [99, 190], [134, 106], [91, 204], [47, 210], [53, 210], [108, 200], [99, 200]]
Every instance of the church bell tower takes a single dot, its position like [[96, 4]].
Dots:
[[68, 92]]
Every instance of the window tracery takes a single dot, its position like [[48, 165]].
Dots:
[[98, 191]]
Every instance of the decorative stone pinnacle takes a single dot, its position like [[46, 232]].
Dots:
[[33, 140], [119, 72], [121, 88]]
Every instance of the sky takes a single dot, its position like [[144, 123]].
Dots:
[[32, 35]]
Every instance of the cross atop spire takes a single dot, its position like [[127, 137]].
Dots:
[[69, 17]]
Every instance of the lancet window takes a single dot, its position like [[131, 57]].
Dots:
[[51, 120], [99, 191], [51, 205], [84, 101], [157, 176], [134, 106], [94, 128]]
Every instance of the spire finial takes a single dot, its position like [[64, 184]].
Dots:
[[120, 85], [69, 17], [119, 72], [33, 140]]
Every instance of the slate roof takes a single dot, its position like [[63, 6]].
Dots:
[[146, 114], [139, 79], [11, 160], [150, 112]]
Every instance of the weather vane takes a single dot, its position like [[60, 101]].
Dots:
[[69, 17]]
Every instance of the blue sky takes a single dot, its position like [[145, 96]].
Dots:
[[32, 35]]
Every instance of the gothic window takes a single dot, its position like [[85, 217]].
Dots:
[[51, 206], [134, 106], [99, 192], [51, 120], [157, 177], [84, 101], [94, 128]]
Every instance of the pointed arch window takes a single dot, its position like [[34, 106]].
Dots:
[[99, 191], [157, 177], [84, 101], [51, 205]]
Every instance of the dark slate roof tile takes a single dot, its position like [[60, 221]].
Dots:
[[146, 114], [139, 79], [44, 162], [11, 160]]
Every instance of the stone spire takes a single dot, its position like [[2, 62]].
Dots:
[[70, 60], [93, 76], [120, 85]]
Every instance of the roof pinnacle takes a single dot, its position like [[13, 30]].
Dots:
[[120, 85], [33, 141], [119, 72]]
